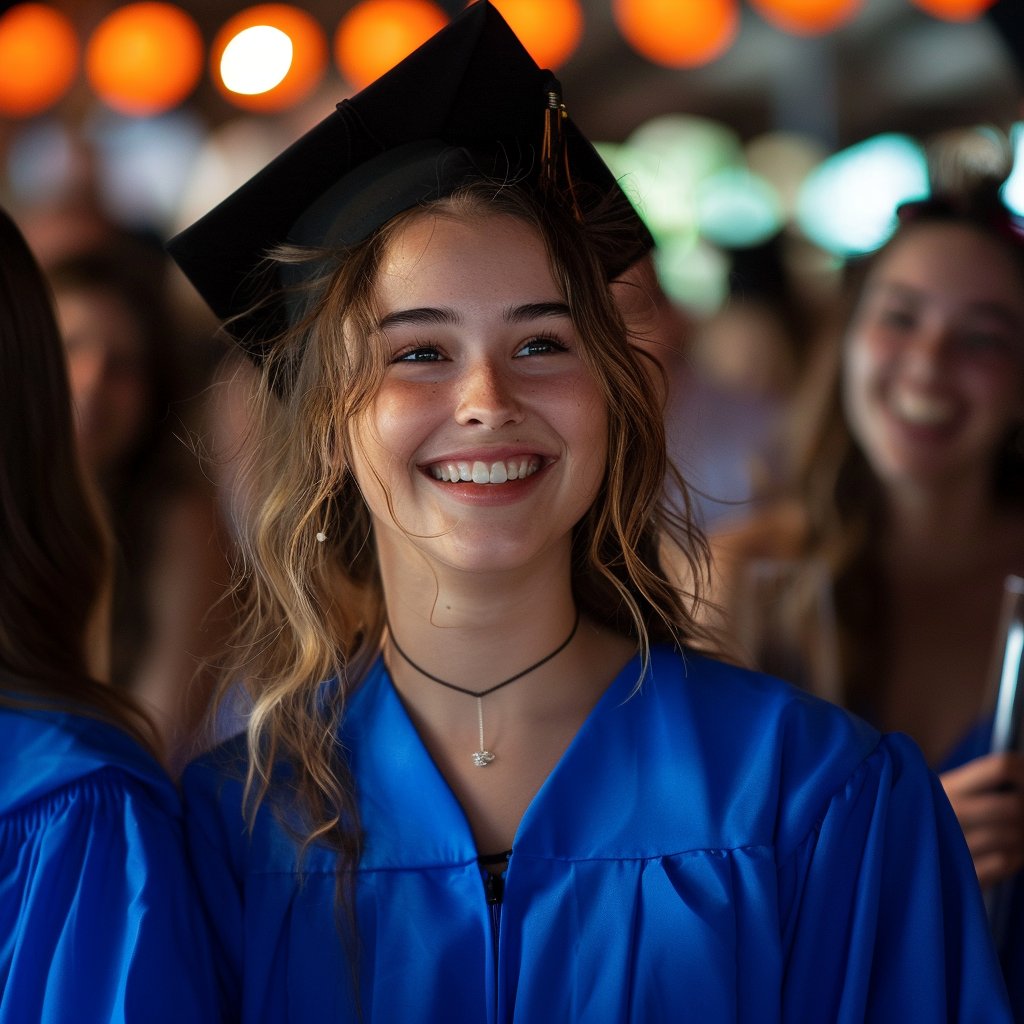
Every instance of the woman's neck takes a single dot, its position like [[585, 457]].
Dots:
[[476, 628], [941, 527]]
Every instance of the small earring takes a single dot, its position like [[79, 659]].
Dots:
[[321, 536]]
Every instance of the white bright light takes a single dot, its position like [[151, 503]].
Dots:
[[256, 60], [847, 204], [1013, 189]]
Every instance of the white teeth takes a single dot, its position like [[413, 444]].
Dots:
[[481, 473], [923, 410]]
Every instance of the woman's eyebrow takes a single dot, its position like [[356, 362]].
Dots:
[[419, 317], [535, 311]]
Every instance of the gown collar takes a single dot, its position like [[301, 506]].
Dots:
[[44, 750], [410, 816]]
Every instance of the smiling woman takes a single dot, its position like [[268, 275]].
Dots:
[[910, 487], [485, 766]]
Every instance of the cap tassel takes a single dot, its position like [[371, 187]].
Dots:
[[554, 154]]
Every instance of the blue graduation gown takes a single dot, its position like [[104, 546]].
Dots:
[[99, 917], [976, 744], [718, 847]]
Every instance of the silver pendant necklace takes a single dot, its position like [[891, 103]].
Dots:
[[483, 757]]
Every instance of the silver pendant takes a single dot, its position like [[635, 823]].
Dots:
[[481, 758]]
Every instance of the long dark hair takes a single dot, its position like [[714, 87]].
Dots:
[[54, 549], [832, 480]]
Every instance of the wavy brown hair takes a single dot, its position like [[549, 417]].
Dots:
[[315, 611], [54, 547], [835, 486]]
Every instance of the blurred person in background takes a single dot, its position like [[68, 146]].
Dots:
[[908, 484], [98, 921], [730, 379], [128, 387]]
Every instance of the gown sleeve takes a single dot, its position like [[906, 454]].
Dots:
[[882, 916], [99, 919]]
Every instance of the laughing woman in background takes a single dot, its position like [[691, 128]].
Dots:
[[97, 919]]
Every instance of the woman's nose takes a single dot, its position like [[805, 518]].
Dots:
[[487, 398], [927, 350]]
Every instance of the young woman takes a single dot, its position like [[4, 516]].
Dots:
[[910, 486], [98, 916], [486, 776]]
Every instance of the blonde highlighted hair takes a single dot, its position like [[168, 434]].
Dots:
[[314, 611]]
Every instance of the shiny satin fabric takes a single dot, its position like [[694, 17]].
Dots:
[[100, 922], [716, 847]]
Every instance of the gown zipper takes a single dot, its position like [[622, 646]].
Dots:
[[494, 889]]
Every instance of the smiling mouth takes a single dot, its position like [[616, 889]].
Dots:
[[487, 472], [922, 410]]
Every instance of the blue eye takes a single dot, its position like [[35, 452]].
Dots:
[[420, 355], [541, 347]]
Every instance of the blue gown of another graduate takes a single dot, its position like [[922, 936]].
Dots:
[[977, 744], [718, 847], [99, 918]]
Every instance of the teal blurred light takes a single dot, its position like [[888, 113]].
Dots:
[[848, 203], [737, 209], [1013, 188]]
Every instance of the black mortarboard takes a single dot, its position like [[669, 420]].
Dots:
[[469, 103]]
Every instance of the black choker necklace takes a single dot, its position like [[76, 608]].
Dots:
[[483, 757]]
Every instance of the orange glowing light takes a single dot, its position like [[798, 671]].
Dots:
[[549, 29], [308, 56], [678, 33], [807, 17], [145, 58], [376, 34], [38, 59], [955, 10]]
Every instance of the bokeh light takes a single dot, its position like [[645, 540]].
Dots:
[[38, 59], [737, 209], [694, 274], [848, 203], [807, 17], [784, 159], [678, 33], [376, 34], [145, 58], [664, 200], [549, 29], [955, 10], [1013, 188], [268, 57]]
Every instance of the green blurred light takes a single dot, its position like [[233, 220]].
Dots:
[[689, 149], [694, 274], [662, 199], [737, 209]]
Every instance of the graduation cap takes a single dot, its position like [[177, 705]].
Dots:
[[469, 104]]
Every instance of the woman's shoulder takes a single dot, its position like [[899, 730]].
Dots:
[[47, 754], [757, 743]]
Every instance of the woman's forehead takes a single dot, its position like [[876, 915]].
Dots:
[[955, 261], [458, 260]]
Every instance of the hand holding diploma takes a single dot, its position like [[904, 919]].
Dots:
[[987, 795]]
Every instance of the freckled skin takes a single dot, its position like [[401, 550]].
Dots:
[[481, 392]]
